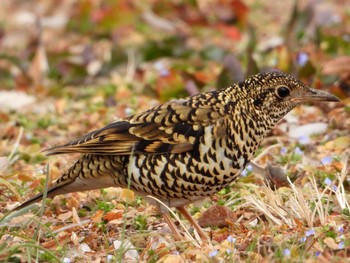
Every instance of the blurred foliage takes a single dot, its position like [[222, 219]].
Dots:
[[98, 37]]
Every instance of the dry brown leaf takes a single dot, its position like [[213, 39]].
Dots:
[[330, 243], [25, 177], [4, 162], [113, 215], [76, 218], [316, 245], [39, 66], [65, 216], [340, 118], [97, 217], [53, 243], [172, 259], [55, 172], [338, 66], [60, 106], [127, 195], [72, 202], [340, 143], [34, 184], [216, 215], [75, 239], [220, 235], [338, 165]]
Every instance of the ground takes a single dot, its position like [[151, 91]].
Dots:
[[69, 67]]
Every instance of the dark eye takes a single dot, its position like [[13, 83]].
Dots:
[[282, 92]]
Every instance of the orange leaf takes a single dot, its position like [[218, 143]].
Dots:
[[127, 195], [54, 244], [232, 32], [338, 165], [72, 202], [34, 184], [113, 215], [97, 217], [203, 77], [25, 177]]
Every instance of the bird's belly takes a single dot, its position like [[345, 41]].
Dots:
[[178, 179]]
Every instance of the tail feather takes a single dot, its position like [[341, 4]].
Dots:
[[88, 173], [51, 192], [76, 185]]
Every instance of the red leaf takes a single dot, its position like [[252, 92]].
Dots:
[[241, 10], [230, 32]]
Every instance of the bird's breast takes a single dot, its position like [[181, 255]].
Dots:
[[190, 175]]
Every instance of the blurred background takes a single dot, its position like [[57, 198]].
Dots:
[[167, 49]]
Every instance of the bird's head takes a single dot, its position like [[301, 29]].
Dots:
[[276, 93]]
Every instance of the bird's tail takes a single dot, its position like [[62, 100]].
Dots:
[[54, 190], [88, 173]]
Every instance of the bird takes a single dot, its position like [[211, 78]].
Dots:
[[185, 149]]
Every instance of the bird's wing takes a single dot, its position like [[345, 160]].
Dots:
[[173, 127]]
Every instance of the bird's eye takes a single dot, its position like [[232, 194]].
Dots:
[[282, 92]]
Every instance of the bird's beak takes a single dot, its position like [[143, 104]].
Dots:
[[314, 95]]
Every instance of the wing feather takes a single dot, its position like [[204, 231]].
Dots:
[[173, 127]]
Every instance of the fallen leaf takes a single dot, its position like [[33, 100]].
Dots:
[[216, 215], [113, 215], [25, 177], [34, 184], [97, 217], [241, 10], [172, 259], [74, 238], [65, 216], [85, 247], [39, 66], [340, 118], [340, 143], [253, 223], [127, 195], [76, 218], [4, 163], [220, 234], [330, 243], [338, 66], [54, 244], [72, 202], [230, 32]]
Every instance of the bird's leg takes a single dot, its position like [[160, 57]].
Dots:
[[258, 169], [172, 226], [274, 175], [193, 222]]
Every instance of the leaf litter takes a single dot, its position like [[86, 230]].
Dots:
[[70, 68]]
